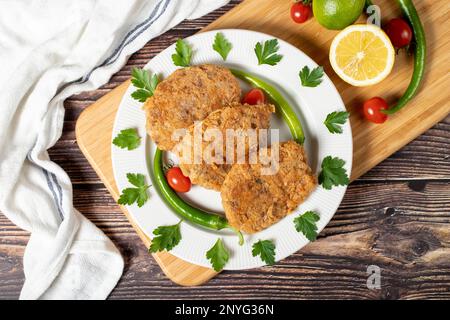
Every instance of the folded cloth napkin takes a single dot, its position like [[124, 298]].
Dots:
[[50, 50]]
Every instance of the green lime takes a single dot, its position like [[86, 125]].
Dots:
[[337, 14]]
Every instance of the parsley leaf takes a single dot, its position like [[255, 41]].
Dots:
[[145, 84], [267, 52], [311, 78], [127, 139], [183, 54], [222, 45], [333, 173], [218, 255], [167, 237], [334, 120], [266, 250], [306, 224], [138, 194]]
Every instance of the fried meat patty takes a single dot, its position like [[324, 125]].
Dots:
[[212, 167], [253, 201], [187, 95]]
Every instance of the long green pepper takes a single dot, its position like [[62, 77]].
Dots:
[[186, 211], [281, 104], [203, 218], [420, 52]]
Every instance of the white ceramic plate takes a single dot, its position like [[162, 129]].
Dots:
[[312, 106]]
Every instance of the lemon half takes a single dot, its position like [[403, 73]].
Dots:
[[362, 55]]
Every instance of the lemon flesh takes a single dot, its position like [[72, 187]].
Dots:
[[362, 55]]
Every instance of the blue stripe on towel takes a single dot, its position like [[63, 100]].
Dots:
[[55, 197], [129, 37], [125, 42], [50, 184], [58, 187]]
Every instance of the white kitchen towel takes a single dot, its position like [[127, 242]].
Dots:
[[50, 50]]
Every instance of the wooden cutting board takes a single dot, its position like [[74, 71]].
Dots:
[[372, 143]]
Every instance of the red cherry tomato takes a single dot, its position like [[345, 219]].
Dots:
[[372, 110], [178, 181], [399, 31], [254, 96], [300, 12]]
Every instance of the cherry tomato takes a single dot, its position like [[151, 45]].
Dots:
[[399, 31], [254, 96], [372, 110], [300, 12], [178, 181]]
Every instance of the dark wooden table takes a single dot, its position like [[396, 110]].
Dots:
[[397, 216]]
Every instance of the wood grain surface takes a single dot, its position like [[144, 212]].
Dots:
[[396, 216]]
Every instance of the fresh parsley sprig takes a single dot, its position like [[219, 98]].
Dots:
[[310, 78], [218, 255], [333, 173], [138, 194], [334, 121], [306, 224], [145, 84], [266, 250], [127, 139], [183, 54], [167, 237], [267, 53], [222, 46]]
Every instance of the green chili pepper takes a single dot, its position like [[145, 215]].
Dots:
[[420, 49], [203, 218], [281, 104], [188, 212]]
